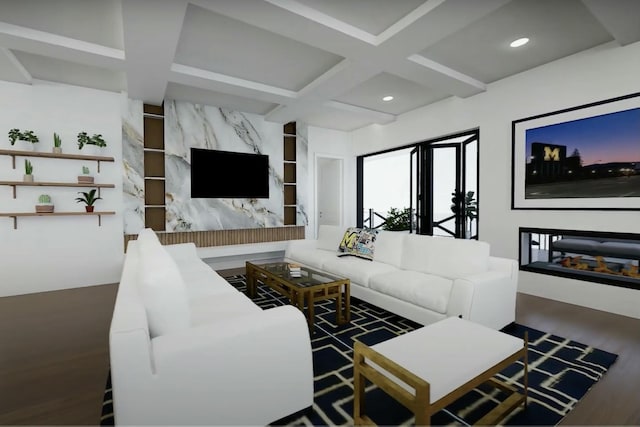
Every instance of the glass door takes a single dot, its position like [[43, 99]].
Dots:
[[443, 202], [415, 191]]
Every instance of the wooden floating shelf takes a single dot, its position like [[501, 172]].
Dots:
[[21, 153], [15, 184], [16, 215]]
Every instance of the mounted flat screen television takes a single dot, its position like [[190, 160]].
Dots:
[[229, 175]]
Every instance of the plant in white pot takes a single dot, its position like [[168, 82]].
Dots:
[[23, 140], [44, 204], [88, 198], [57, 144], [96, 140], [28, 171], [86, 177]]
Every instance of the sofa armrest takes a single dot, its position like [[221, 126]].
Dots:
[[252, 369], [488, 298]]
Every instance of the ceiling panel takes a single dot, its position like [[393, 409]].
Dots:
[[407, 95], [334, 119], [57, 70], [217, 43], [95, 21], [555, 28], [200, 96], [372, 16]]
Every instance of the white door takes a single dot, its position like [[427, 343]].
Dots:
[[329, 191]]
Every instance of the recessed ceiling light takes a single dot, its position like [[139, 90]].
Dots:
[[520, 42], [388, 98]]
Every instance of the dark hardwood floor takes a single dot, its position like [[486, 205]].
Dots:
[[54, 356]]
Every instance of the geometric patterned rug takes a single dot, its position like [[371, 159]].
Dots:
[[561, 371]]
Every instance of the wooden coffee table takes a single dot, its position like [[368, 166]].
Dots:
[[311, 287]]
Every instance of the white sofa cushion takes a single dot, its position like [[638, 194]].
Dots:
[[314, 258], [445, 256], [389, 247], [221, 307], [162, 289], [329, 237], [424, 290], [357, 270]]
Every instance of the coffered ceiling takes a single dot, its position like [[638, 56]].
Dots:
[[325, 62]]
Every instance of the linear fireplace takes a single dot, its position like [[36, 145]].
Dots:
[[603, 257]]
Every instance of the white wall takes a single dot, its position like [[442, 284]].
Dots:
[[48, 253], [604, 72], [333, 144]]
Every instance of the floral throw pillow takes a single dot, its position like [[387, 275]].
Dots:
[[359, 242]]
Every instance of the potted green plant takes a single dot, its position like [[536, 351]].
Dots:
[[85, 178], [44, 204], [57, 143], [95, 140], [28, 138], [88, 198], [398, 220], [28, 171]]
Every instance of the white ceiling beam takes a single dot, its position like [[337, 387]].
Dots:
[[618, 17], [325, 20], [11, 69], [60, 47], [209, 80], [375, 116], [426, 25], [151, 35]]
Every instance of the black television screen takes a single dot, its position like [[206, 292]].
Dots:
[[226, 174]]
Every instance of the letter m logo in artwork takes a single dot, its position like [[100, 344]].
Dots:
[[552, 154], [349, 240]]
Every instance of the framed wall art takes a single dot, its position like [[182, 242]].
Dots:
[[581, 158]]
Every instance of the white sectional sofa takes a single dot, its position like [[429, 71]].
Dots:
[[187, 348], [422, 278]]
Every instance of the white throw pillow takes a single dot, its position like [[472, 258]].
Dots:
[[162, 289]]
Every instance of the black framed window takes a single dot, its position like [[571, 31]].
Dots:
[[430, 187]]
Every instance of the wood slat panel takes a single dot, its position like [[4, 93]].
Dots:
[[153, 164], [154, 133], [227, 237], [154, 192], [290, 148]]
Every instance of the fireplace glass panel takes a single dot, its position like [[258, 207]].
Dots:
[[610, 258]]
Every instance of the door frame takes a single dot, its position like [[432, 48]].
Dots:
[[316, 162]]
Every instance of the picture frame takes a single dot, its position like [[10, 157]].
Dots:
[[580, 158]]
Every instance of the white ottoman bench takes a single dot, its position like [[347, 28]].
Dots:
[[429, 368]]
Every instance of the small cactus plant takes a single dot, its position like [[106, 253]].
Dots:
[[44, 204], [44, 199], [28, 167], [57, 142], [85, 178]]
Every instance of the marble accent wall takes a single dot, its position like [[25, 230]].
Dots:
[[133, 165], [191, 125]]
